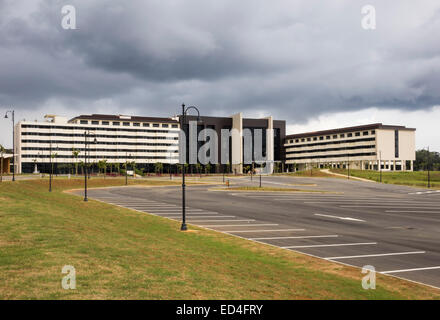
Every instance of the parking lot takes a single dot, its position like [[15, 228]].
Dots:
[[393, 228]]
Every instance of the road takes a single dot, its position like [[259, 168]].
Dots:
[[393, 228]]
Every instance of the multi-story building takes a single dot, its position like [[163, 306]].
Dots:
[[144, 140], [271, 140], [372, 146]]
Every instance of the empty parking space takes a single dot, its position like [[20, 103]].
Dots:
[[356, 223]]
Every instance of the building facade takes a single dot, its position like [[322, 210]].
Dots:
[[373, 147], [143, 140], [118, 139]]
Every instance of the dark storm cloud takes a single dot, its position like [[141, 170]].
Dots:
[[293, 59]]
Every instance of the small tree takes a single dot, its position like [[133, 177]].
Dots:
[[102, 165], [208, 168], [158, 167], [198, 167]]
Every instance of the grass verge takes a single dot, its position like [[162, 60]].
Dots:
[[415, 178], [125, 254]]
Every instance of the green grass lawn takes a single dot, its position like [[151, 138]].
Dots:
[[124, 254], [415, 178]]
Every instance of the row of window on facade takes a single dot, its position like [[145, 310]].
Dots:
[[335, 136], [128, 124]]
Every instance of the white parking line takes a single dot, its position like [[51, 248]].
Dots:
[[159, 207], [299, 237], [411, 211], [274, 230], [233, 220], [153, 205], [396, 206], [179, 214], [336, 217], [331, 245], [241, 225], [409, 270], [375, 255], [175, 209], [425, 192], [363, 202], [211, 217]]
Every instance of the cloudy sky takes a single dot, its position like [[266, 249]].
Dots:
[[309, 62]]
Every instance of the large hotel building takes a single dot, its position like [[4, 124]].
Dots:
[[370, 147], [147, 141]]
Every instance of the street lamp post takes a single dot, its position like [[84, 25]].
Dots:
[[12, 112], [86, 135], [126, 168], [169, 168], [429, 175], [182, 126], [51, 164], [380, 165]]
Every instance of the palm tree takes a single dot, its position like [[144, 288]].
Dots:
[[75, 153], [158, 167], [102, 165]]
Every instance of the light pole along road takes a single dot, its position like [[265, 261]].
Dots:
[[12, 112], [182, 127], [86, 135]]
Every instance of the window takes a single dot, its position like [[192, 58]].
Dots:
[[349, 135], [136, 124], [95, 122], [357, 134], [373, 131], [164, 125], [396, 143], [175, 126], [145, 124], [84, 122], [342, 135], [297, 140], [335, 136], [315, 138], [327, 137], [126, 124], [365, 133], [309, 139], [116, 123], [105, 123], [155, 125], [321, 138]]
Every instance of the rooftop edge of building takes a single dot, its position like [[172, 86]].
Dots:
[[348, 129]]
